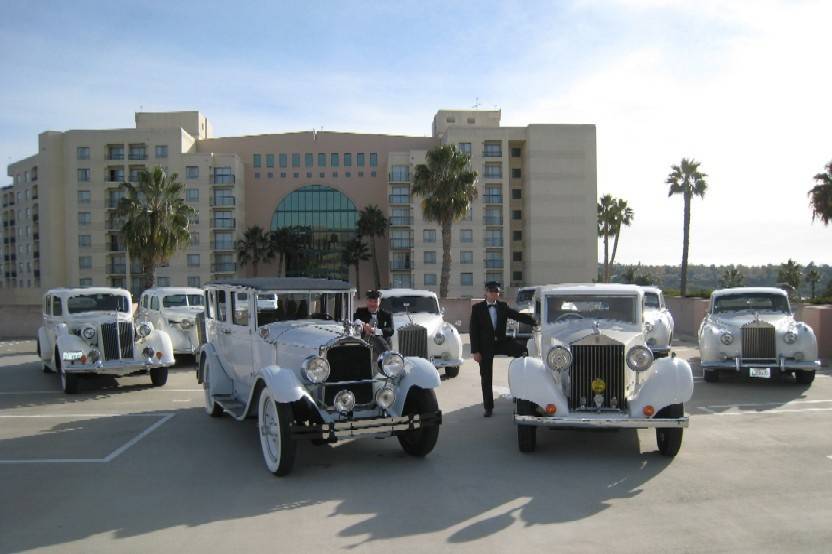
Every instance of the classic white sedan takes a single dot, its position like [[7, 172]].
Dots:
[[589, 367], [421, 329], [174, 310], [658, 322], [753, 331]]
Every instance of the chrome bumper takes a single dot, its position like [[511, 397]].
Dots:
[[738, 363], [439, 362], [112, 367], [600, 422], [364, 427], [659, 349]]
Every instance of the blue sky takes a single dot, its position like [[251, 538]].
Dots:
[[741, 87]]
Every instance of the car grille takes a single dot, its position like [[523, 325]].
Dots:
[[413, 341], [591, 362], [758, 341], [349, 362], [117, 340]]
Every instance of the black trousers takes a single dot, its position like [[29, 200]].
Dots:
[[507, 347]]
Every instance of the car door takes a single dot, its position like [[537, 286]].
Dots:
[[54, 317], [241, 338], [222, 330]]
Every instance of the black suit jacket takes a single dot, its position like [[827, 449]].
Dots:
[[483, 335], [385, 321]]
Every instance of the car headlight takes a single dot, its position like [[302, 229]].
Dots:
[[439, 338], [385, 397], [186, 323], [790, 337], [559, 358], [639, 358], [94, 355], [649, 327], [316, 369], [344, 401], [726, 338], [88, 332], [392, 364], [144, 328]]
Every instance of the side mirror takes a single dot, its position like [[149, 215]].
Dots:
[[442, 310]]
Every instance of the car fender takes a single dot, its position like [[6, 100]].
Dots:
[[418, 373], [709, 343], [71, 343], [45, 345], [454, 341], [530, 379], [219, 381], [159, 341], [283, 383], [671, 382]]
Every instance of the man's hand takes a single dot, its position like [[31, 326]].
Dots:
[[477, 357], [369, 329]]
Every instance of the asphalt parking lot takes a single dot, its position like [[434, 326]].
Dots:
[[125, 467]]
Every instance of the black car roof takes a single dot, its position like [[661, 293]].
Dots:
[[284, 283]]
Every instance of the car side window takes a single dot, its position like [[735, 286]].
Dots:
[[209, 304], [144, 301], [154, 302], [46, 301], [240, 309], [56, 306], [221, 303]]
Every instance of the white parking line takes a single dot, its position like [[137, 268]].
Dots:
[[165, 417]]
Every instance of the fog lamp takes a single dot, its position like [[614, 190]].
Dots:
[[439, 338], [790, 337], [648, 410], [147, 352], [94, 355], [344, 401], [385, 398]]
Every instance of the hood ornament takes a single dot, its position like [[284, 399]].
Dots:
[[407, 312], [756, 316], [596, 329]]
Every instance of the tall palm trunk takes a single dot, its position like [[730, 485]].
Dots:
[[615, 245], [149, 270], [606, 258], [376, 273], [280, 264], [357, 280], [254, 268], [446, 259], [685, 246]]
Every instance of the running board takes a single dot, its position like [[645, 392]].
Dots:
[[231, 406]]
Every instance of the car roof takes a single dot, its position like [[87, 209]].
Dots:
[[593, 288], [406, 292], [174, 290], [87, 290], [657, 290], [750, 290], [284, 283]]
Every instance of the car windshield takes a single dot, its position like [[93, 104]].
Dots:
[[410, 304], [267, 297], [291, 306], [651, 300], [756, 302], [98, 303], [525, 296], [183, 300], [570, 307]]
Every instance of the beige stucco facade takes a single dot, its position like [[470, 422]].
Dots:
[[533, 222]]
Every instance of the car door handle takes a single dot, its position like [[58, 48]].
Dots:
[[226, 331]]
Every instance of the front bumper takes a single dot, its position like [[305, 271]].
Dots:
[[112, 367], [738, 364], [441, 362], [661, 350], [364, 427], [600, 421]]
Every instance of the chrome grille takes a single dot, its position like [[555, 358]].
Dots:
[[109, 341], [413, 341], [349, 362], [758, 341], [125, 338], [590, 362]]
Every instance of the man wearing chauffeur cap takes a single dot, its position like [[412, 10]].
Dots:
[[378, 323], [488, 337]]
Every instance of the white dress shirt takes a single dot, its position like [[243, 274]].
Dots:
[[492, 311]]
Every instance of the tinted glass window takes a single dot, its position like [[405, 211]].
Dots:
[[98, 303], [572, 307], [154, 302], [651, 300], [524, 296], [240, 312], [757, 302], [411, 304], [57, 308], [221, 305]]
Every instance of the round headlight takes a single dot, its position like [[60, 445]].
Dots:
[[559, 358], [186, 323], [439, 338], [147, 352], [649, 327], [344, 401], [726, 338], [385, 398], [316, 369], [790, 337], [392, 364], [639, 358], [144, 328], [88, 332]]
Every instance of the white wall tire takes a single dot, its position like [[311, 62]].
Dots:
[[273, 423], [70, 383], [211, 407]]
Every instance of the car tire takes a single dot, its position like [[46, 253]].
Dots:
[[158, 376], [669, 439], [526, 434], [70, 383], [273, 425], [804, 377], [211, 407], [451, 372], [711, 376], [419, 442]]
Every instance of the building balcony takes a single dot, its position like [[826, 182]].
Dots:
[[35, 218], [37, 274], [398, 177], [35, 236], [492, 153], [114, 178], [224, 267], [114, 156], [36, 254], [222, 245], [494, 264], [401, 265], [399, 199], [116, 269], [137, 156], [492, 220], [223, 223], [494, 243], [117, 247], [223, 179], [401, 220], [495, 175], [492, 198], [112, 203], [401, 244], [223, 201], [115, 225]]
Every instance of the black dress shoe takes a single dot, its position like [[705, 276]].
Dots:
[[487, 413]]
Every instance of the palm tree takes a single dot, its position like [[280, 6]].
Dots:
[[789, 274], [731, 277], [624, 216], [820, 196], [606, 226], [372, 224], [447, 186], [156, 219], [687, 180], [282, 243], [355, 252], [630, 274], [812, 276], [254, 248]]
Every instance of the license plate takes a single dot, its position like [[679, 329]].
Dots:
[[761, 372]]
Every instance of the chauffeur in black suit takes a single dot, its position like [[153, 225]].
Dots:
[[376, 319], [488, 337]]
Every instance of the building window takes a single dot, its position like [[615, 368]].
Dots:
[[85, 282], [256, 160], [161, 150], [493, 215], [400, 194], [516, 173], [400, 173], [308, 159], [84, 241], [465, 147], [193, 260], [471, 121], [493, 194], [373, 159], [84, 197], [466, 279], [192, 195], [333, 160], [400, 216], [270, 175], [516, 215], [83, 175], [430, 279], [516, 194], [192, 172], [466, 257], [137, 152], [256, 174], [194, 238], [223, 175], [115, 175], [115, 152], [296, 160], [402, 281], [517, 235], [492, 149], [428, 235], [450, 119], [359, 159], [400, 239], [493, 237], [193, 281], [516, 152], [134, 174], [517, 275], [494, 276], [85, 262], [517, 256], [84, 218], [282, 161], [493, 259], [466, 235], [321, 160], [347, 159], [162, 281], [429, 257], [83, 152], [493, 170], [269, 160]]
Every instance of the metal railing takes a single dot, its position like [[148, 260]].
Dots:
[[116, 269], [492, 220], [399, 199], [114, 156], [224, 267], [493, 264], [401, 220], [492, 198], [222, 245], [493, 242], [398, 177], [497, 153], [401, 244], [222, 179], [137, 156], [223, 201], [224, 223], [398, 265]]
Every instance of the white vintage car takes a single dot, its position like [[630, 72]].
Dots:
[[91, 331], [303, 370], [420, 329], [658, 322], [753, 332], [523, 303], [589, 367], [174, 310]]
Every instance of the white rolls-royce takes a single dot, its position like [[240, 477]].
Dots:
[[658, 322], [589, 367], [420, 329], [174, 310], [91, 331], [304, 371], [752, 331]]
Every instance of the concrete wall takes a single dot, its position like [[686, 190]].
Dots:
[[687, 314]]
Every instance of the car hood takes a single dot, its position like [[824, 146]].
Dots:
[[95, 317], [736, 321], [573, 331], [183, 312], [304, 332], [431, 322]]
